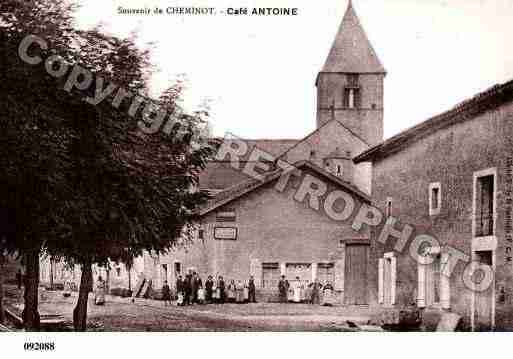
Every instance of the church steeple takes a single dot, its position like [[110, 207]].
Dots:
[[352, 51], [350, 84]]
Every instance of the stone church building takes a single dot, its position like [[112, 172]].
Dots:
[[251, 228]]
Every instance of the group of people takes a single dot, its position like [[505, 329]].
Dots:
[[191, 290], [313, 293]]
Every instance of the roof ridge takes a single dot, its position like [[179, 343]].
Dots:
[[442, 117], [232, 193]]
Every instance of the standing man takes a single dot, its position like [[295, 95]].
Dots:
[[180, 290], [188, 288], [208, 289], [316, 287], [196, 285], [166, 293], [220, 286], [251, 290], [283, 289]]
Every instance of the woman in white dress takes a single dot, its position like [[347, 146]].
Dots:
[[239, 292], [297, 290], [216, 293], [327, 295]]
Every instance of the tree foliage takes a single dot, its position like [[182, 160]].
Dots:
[[82, 182]]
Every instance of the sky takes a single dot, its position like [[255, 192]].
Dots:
[[258, 73]]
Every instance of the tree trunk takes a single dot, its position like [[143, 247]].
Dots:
[[2, 313], [107, 280], [80, 311], [31, 295], [129, 278], [51, 273]]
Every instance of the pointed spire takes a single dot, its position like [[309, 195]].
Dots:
[[352, 51]]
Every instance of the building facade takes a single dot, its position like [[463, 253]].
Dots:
[[449, 177]]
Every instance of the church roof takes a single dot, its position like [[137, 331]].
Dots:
[[219, 175], [272, 146], [313, 133], [237, 191], [352, 51]]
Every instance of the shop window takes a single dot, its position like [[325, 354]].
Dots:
[[326, 273], [270, 275]]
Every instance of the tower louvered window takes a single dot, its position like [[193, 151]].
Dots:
[[352, 95]]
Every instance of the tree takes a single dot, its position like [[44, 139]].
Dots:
[[2, 313], [31, 136], [98, 189]]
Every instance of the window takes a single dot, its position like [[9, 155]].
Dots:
[[226, 215], [432, 290], [118, 271], [435, 198], [326, 273], [163, 272], [352, 92], [339, 170], [351, 98], [201, 234], [301, 270], [178, 269], [388, 208], [270, 275], [352, 80], [484, 203]]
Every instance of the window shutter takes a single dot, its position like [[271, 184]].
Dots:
[[393, 276], [339, 275], [445, 284], [357, 98], [381, 271], [345, 99], [255, 269], [421, 291]]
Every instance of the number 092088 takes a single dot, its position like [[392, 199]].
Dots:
[[39, 346]]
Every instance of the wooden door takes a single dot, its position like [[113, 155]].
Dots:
[[484, 299], [355, 288]]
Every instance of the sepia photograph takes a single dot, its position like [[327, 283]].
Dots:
[[342, 167]]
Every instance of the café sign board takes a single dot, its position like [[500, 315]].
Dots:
[[229, 233]]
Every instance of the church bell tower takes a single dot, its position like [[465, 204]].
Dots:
[[350, 85]]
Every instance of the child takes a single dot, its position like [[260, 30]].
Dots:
[[201, 295], [166, 293]]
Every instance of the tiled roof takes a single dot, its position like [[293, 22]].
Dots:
[[241, 189], [219, 175], [273, 147], [352, 51], [463, 111]]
